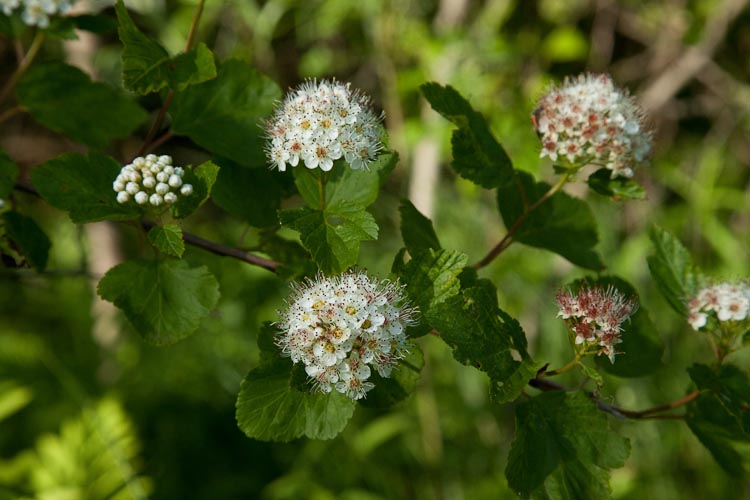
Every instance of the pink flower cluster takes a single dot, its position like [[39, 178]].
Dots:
[[728, 301], [589, 121], [595, 315]]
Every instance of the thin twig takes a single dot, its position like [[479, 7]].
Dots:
[[36, 44], [10, 113], [156, 126], [508, 238], [547, 385], [192, 239]]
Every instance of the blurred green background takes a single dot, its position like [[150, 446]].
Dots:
[[83, 401]]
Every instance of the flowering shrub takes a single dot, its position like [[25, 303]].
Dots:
[[347, 337]]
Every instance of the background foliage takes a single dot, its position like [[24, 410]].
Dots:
[[70, 366]]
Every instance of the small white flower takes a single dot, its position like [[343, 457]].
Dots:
[[162, 189], [320, 122], [123, 197], [149, 182], [155, 199], [342, 326], [175, 181], [186, 189], [170, 198]]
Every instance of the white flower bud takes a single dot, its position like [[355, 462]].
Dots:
[[139, 162], [149, 182], [179, 171], [175, 181], [155, 169], [132, 188], [118, 185], [152, 158], [123, 197], [168, 169], [170, 198], [141, 197], [162, 177], [186, 190], [165, 159], [162, 188], [156, 200]]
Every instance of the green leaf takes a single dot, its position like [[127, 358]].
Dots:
[[202, 179], [271, 408], [8, 175], [562, 224], [147, 66], [164, 300], [477, 156], [82, 185], [253, 195], [720, 416], [28, 238], [641, 349], [224, 115], [471, 323], [62, 28], [618, 188], [345, 185], [402, 382], [431, 278], [673, 270], [167, 239], [416, 229], [296, 260], [64, 99], [332, 236], [12, 26], [563, 449]]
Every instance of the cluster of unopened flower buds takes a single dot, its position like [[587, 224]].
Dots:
[[320, 122], [151, 180], [36, 12], [340, 327], [726, 301], [588, 120], [595, 315]]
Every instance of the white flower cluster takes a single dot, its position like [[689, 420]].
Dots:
[[151, 180], [320, 122], [340, 327], [596, 315], [589, 121], [728, 301], [36, 12]]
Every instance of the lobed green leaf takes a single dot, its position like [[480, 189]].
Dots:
[[482, 336], [562, 224], [720, 417], [563, 449], [673, 270], [271, 408], [65, 100], [253, 195], [167, 239], [147, 66], [477, 156], [165, 300], [618, 188], [332, 236], [28, 238], [202, 178], [224, 115], [82, 185], [416, 229]]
